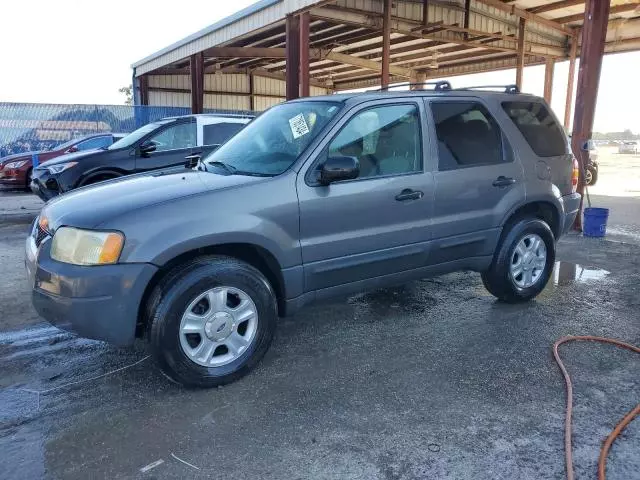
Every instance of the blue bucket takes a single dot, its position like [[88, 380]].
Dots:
[[595, 222]]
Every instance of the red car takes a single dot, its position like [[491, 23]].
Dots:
[[15, 170]]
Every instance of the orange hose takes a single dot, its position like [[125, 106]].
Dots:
[[567, 423]]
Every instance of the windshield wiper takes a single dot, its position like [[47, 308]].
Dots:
[[229, 168]]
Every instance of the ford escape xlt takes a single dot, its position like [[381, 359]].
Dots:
[[317, 197]]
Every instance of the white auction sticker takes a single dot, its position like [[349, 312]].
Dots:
[[298, 126]]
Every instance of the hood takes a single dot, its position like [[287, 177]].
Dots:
[[17, 156], [91, 206], [72, 157]]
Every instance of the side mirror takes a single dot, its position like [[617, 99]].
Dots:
[[147, 147], [72, 149], [193, 160], [335, 169]]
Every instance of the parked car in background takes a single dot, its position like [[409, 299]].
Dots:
[[630, 146], [317, 197], [592, 166], [15, 170], [165, 143]]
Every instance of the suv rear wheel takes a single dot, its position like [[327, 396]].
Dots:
[[523, 262], [212, 320]]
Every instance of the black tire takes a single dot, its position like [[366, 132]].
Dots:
[[594, 175], [178, 289], [498, 280]]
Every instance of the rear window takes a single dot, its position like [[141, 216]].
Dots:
[[218, 133], [538, 127]]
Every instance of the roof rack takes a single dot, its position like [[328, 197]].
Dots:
[[505, 88], [437, 86]]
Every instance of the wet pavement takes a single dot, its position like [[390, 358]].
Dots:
[[434, 379]]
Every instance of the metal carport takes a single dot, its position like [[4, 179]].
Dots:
[[331, 45]]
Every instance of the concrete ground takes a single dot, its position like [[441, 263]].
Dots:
[[434, 379]]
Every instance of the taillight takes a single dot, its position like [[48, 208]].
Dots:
[[575, 175]]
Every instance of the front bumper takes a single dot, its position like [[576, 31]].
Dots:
[[100, 302], [571, 207], [44, 185]]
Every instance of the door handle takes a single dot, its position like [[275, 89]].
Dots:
[[503, 181], [408, 194]]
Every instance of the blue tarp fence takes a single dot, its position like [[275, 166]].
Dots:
[[26, 127]]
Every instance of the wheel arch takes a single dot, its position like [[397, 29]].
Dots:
[[86, 177], [255, 255], [546, 210]]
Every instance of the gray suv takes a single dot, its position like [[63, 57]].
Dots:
[[317, 197]]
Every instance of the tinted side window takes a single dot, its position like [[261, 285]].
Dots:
[[538, 127], [218, 133], [181, 135], [97, 142], [385, 140], [467, 135]]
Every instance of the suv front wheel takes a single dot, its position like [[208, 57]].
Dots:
[[211, 321], [523, 263]]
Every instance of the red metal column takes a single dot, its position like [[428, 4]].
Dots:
[[144, 90], [293, 56], [305, 90], [572, 76], [594, 32], [386, 43], [196, 64], [548, 78], [520, 61]]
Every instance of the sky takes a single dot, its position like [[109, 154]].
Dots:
[[79, 51]]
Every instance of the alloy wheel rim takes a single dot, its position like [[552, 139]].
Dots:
[[218, 326], [528, 261]]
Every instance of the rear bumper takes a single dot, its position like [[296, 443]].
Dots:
[[570, 207], [100, 302]]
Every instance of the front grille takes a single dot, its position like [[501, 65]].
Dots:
[[40, 234]]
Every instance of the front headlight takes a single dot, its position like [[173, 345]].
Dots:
[[86, 247], [61, 167], [17, 164]]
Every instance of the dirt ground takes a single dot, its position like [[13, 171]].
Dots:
[[433, 379]]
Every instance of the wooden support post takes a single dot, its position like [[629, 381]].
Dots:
[[293, 56], [386, 43], [420, 78], [572, 76], [305, 89], [196, 64], [594, 32], [520, 60], [548, 78]]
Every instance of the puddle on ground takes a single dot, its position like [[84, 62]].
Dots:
[[566, 273]]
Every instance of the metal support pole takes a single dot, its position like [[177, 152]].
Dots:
[[572, 76], [252, 102], [594, 32], [520, 61], [467, 14], [144, 90], [548, 78], [196, 64], [305, 89], [386, 43], [293, 57]]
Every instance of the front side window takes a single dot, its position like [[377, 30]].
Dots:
[[541, 131], [273, 142], [467, 135], [133, 137], [181, 135], [385, 140]]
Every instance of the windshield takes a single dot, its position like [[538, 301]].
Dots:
[[70, 143], [273, 142], [136, 135]]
